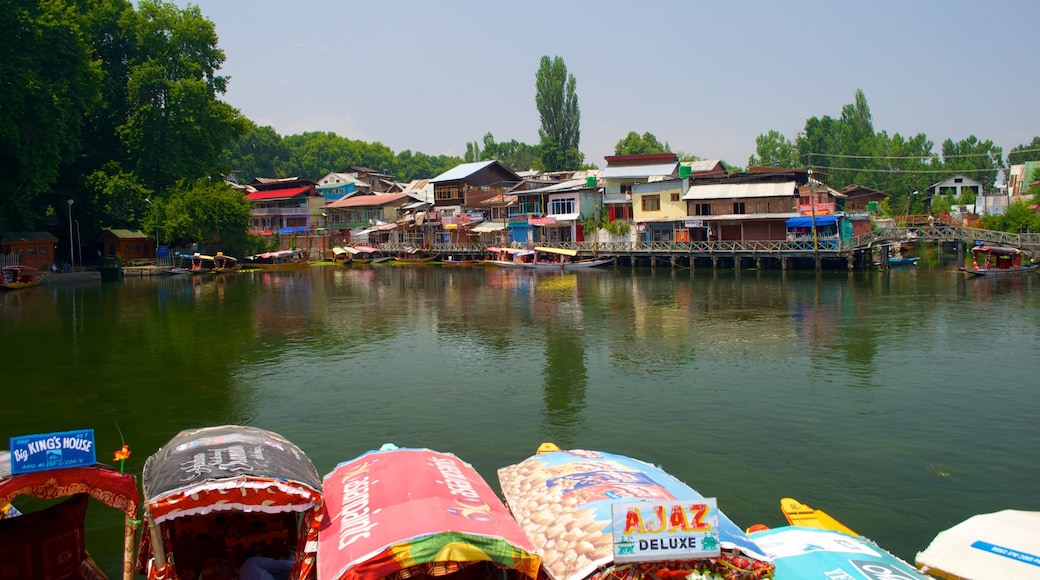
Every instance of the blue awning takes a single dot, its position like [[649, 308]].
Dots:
[[807, 221]]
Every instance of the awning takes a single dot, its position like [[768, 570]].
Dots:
[[486, 227], [557, 251], [566, 217], [807, 221]]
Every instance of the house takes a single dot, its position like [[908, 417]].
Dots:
[[624, 171], [659, 210], [955, 186], [378, 182], [459, 194], [127, 244], [336, 185], [745, 206], [285, 206], [858, 197], [370, 218], [564, 205], [34, 249]]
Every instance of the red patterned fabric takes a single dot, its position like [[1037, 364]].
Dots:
[[48, 544], [114, 489]]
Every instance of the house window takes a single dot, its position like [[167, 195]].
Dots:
[[561, 206], [702, 209], [738, 207], [449, 192], [675, 197], [651, 203]]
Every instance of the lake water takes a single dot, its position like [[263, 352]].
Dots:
[[900, 402]]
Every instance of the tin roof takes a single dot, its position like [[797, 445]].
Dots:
[[740, 190]]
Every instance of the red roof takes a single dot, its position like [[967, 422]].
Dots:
[[277, 194]]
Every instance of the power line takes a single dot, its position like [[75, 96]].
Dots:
[[896, 170], [918, 157]]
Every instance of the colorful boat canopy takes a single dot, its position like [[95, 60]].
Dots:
[[801, 552], [103, 483], [399, 509], [197, 471], [1004, 544], [563, 499]]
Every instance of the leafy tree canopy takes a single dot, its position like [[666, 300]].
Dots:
[[1025, 152], [207, 211], [636, 144]]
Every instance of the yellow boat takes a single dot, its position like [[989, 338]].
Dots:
[[799, 514]]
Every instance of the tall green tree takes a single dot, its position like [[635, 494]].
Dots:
[[636, 144], [49, 83], [557, 104], [176, 126]]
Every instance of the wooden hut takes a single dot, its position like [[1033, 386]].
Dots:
[[34, 249]]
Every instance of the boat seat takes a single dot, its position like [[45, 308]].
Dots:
[[48, 544]]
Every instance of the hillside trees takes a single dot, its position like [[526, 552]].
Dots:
[[1025, 152]]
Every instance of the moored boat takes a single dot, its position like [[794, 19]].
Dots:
[[50, 543], [279, 260], [509, 257], [998, 261], [18, 277], [223, 263], [417, 513], [993, 546], [817, 545], [562, 259], [200, 264], [595, 515], [409, 255], [217, 497], [366, 255]]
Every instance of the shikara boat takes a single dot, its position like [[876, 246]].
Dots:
[[200, 264], [18, 277], [50, 543], [222, 263], [366, 255], [998, 261], [595, 515], [218, 496], [561, 259], [409, 255], [816, 545], [416, 513], [999, 545], [281, 260], [509, 257]]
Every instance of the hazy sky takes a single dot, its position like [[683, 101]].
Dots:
[[705, 77]]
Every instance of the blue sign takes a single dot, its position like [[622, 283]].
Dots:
[[47, 451]]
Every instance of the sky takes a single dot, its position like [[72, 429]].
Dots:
[[705, 77]]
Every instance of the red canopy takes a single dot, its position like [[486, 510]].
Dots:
[[118, 490], [395, 509]]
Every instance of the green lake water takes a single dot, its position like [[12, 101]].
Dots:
[[900, 402]]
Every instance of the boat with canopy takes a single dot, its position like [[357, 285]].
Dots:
[[417, 513], [216, 496]]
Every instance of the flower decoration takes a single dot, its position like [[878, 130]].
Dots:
[[121, 456]]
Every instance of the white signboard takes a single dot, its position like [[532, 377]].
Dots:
[[646, 531]]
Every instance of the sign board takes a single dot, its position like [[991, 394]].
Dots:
[[46, 451], [542, 221], [162, 251], [646, 531], [816, 209], [693, 224]]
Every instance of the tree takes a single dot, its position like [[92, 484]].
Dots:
[[513, 154], [209, 212], [560, 117], [1017, 218], [636, 144], [260, 152], [980, 160], [772, 149], [51, 83], [176, 128], [1023, 153]]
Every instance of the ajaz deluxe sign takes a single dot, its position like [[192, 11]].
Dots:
[[665, 530]]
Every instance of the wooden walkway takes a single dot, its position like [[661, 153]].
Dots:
[[853, 253]]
